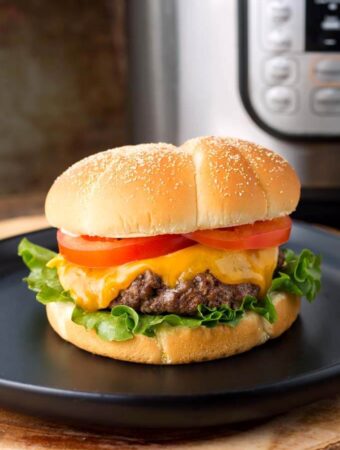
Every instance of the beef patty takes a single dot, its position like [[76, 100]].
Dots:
[[148, 294]]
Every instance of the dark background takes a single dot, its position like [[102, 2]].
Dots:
[[63, 91]]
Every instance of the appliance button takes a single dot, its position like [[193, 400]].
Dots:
[[278, 11], [327, 101], [328, 70], [330, 23], [279, 70], [281, 99], [279, 40]]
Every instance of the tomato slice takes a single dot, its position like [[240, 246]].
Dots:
[[92, 251], [269, 233], [105, 252]]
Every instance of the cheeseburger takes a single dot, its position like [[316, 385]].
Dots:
[[172, 255]]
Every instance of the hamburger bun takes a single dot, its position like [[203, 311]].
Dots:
[[153, 189], [179, 345]]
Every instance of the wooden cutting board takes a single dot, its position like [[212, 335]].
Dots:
[[315, 427]]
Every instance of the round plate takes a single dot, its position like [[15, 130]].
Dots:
[[41, 374]]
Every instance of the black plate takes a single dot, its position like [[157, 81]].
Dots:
[[41, 374]]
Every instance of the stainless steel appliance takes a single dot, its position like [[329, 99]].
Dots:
[[263, 70]]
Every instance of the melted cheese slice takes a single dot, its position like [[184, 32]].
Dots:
[[94, 289]]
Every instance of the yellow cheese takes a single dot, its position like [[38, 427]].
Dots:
[[94, 289]]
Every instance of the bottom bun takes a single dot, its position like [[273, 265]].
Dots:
[[179, 345]]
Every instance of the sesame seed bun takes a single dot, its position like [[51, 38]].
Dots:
[[179, 345], [152, 189]]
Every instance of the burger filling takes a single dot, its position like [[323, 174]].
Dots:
[[208, 278], [149, 294], [173, 283]]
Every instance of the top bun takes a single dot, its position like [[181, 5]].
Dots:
[[150, 189]]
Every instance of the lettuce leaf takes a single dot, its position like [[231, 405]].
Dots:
[[304, 271], [300, 275], [123, 322], [42, 280], [110, 327]]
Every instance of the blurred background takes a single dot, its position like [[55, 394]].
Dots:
[[63, 91], [81, 76]]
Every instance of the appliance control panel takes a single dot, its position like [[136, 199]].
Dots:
[[293, 65]]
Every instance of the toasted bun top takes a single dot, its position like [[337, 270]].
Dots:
[[150, 189]]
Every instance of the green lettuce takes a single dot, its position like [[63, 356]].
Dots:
[[42, 280], [300, 275], [304, 271], [123, 322]]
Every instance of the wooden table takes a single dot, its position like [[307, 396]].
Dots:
[[314, 427]]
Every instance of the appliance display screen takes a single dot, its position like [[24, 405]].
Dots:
[[323, 25]]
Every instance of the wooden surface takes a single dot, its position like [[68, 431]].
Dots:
[[315, 427]]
